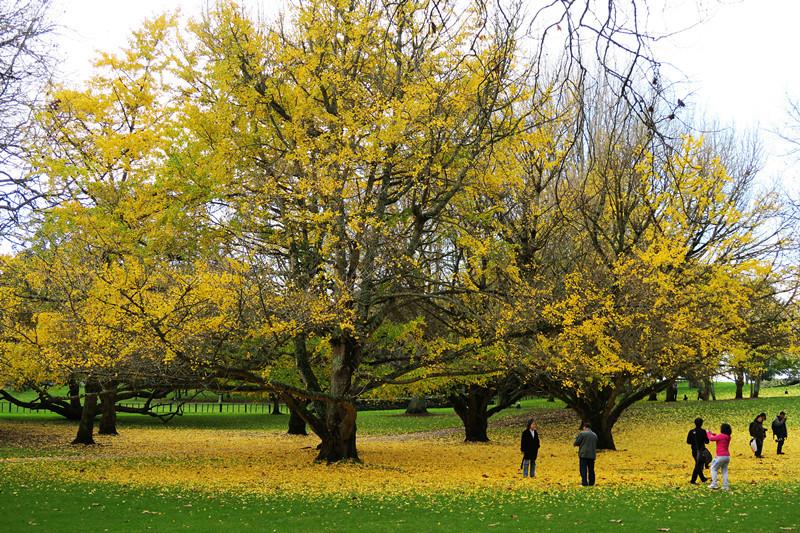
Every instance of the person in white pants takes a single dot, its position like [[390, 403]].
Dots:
[[723, 456]]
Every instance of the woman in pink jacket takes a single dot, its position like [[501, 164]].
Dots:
[[723, 456]]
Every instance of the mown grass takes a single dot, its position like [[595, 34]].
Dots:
[[384, 422], [34, 497], [378, 422], [31, 506], [394, 422]]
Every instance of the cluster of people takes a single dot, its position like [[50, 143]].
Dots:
[[586, 441], [698, 438], [759, 433]]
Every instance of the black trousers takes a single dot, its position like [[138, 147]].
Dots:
[[759, 446], [587, 472], [698, 467], [780, 445]]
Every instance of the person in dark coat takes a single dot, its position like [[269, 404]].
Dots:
[[586, 441], [779, 430], [529, 446], [758, 432], [698, 439]]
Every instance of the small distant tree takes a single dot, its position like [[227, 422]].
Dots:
[[769, 332]]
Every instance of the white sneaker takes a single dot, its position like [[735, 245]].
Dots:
[[713, 487]]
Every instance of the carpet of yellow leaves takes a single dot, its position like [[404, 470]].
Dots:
[[269, 462]]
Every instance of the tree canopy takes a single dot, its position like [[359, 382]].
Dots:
[[364, 195]]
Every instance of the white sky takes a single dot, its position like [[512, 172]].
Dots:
[[739, 64]]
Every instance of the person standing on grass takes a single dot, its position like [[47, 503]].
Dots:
[[698, 438], [779, 430], [758, 432], [587, 453], [723, 456], [529, 446]]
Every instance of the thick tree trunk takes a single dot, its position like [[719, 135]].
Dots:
[[603, 406], [75, 395], [417, 406], [739, 379], [476, 427], [108, 411], [86, 424], [756, 388], [653, 397], [704, 390], [339, 438], [472, 408], [297, 426], [672, 392], [708, 392], [602, 426], [276, 405]]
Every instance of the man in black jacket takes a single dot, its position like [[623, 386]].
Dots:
[[779, 430], [698, 438], [758, 432], [529, 446]]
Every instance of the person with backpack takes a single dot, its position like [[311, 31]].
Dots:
[[529, 446], [779, 430], [698, 438], [758, 433], [723, 456]]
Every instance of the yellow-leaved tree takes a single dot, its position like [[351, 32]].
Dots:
[[133, 294], [334, 144], [650, 282]]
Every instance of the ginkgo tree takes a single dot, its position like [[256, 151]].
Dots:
[[770, 330], [366, 194], [117, 264], [500, 240], [336, 144], [652, 287]]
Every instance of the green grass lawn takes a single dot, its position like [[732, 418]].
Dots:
[[31, 506], [369, 422]]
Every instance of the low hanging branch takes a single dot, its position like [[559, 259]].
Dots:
[[45, 402]]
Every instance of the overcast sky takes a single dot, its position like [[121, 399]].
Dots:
[[739, 63]]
